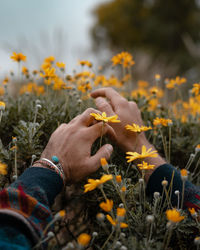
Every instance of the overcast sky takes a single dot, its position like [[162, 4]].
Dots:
[[41, 28]]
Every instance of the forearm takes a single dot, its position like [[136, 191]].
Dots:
[[27, 202], [170, 174]]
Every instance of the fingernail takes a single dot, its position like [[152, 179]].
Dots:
[[109, 148]]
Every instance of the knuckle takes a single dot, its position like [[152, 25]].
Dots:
[[90, 110], [123, 103]]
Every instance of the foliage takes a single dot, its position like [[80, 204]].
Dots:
[[33, 115], [147, 25]]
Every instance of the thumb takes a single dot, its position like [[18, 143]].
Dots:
[[104, 152]]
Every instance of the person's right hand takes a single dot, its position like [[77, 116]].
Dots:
[[128, 113]]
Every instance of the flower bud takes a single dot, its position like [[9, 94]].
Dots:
[[50, 234], [150, 218], [164, 183], [100, 217], [94, 234], [177, 192], [156, 195]]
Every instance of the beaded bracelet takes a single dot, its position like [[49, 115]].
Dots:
[[49, 164]]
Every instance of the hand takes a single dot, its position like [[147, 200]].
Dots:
[[128, 113], [72, 143]]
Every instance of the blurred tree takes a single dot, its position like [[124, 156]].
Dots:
[[154, 26]]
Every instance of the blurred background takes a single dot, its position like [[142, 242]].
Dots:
[[163, 36]]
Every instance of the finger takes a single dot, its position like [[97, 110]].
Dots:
[[85, 118], [97, 130], [104, 106], [95, 161], [115, 98]]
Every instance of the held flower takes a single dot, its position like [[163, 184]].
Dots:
[[103, 117], [145, 153]]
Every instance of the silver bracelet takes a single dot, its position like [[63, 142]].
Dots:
[[58, 166]]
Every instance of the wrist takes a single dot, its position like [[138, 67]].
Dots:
[[54, 166]]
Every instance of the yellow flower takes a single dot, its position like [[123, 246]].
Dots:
[[59, 215], [46, 65], [62, 213], [121, 211], [106, 206], [58, 84], [145, 166], [2, 91], [162, 121], [145, 153], [5, 81], [84, 239], [87, 63], [139, 92], [118, 178], [174, 82], [157, 77], [24, 70], [2, 105], [84, 87], [60, 65], [49, 59], [156, 91], [103, 117], [49, 73], [136, 128], [123, 189], [123, 58], [184, 172], [142, 84], [3, 168], [103, 162], [18, 57], [196, 88], [173, 215], [101, 79], [115, 222], [192, 211], [92, 184]]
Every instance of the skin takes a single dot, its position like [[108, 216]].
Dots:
[[72, 143], [111, 102]]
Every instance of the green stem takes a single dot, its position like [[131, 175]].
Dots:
[[169, 152], [107, 239], [164, 144], [16, 160], [183, 190], [1, 113], [101, 134]]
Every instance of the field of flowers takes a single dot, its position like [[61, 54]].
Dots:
[[116, 214]]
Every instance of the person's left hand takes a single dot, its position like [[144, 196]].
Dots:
[[72, 143]]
